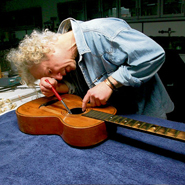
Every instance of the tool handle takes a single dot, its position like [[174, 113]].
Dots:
[[54, 91]]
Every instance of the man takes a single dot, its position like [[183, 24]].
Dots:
[[102, 60]]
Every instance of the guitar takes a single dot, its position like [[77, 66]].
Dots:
[[79, 129]]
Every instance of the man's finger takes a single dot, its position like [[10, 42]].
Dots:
[[84, 102]]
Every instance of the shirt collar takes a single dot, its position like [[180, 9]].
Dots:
[[69, 23]]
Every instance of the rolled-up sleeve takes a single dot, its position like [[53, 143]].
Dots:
[[138, 57]]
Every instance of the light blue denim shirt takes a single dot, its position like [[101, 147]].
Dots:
[[110, 47]]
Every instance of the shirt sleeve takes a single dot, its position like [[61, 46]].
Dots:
[[137, 56], [70, 86]]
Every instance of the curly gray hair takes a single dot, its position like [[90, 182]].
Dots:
[[31, 50]]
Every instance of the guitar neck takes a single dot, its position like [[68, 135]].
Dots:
[[137, 125]]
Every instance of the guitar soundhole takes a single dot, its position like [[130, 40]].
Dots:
[[76, 111]]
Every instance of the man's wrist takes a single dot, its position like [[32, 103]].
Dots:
[[110, 84], [115, 83]]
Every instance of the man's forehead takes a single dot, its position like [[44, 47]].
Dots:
[[37, 70]]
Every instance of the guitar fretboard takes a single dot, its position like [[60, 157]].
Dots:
[[137, 125]]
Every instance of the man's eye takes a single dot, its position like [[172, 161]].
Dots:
[[49, 71]]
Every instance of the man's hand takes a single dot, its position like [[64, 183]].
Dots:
[[46, 87], [97, 95]]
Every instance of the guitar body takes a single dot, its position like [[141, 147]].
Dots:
[[35, 117]]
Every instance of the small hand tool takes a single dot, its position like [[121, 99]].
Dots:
[[58, 96]]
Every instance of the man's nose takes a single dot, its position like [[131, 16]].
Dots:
[[58, 76]]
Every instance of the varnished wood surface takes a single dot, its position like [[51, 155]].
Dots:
[[75, 129]]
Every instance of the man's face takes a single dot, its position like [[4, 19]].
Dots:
[[57, 65]]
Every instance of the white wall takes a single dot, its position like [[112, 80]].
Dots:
[[137, 26], [153, 28]]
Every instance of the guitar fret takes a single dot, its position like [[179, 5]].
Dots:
[[177, 133], [120, 119], [97, 114], [149, 126], [93, 114], [166, 130], [104, 116], [107, 116], [142, 125], [134, 123], [110, 118], [127, 122], [115, 118], [158, 128], [90, 113], [123, 121]]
